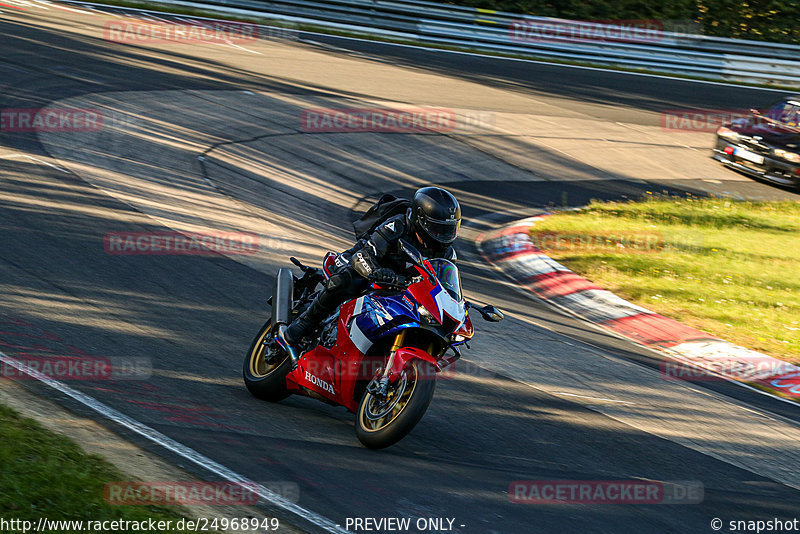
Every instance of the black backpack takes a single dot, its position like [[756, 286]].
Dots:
[[387, 206]]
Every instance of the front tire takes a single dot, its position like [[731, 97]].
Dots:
[[381, 424], [265, 380]]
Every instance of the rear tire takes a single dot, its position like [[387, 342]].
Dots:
[[264, 380], [380, 425]]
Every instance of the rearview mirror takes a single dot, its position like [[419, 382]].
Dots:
[[412, 252], [492, 314], [489, 313], [416, 257]]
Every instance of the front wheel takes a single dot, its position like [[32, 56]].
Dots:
[[266, 366], [383, 422]]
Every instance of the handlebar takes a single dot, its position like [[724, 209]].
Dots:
[[399, 282], [302, 267]]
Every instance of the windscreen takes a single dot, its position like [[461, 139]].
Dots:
[[447, 273]]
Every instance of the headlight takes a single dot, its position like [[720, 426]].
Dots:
[[425, 315], [788, 156], [727, 133], [458, 338]]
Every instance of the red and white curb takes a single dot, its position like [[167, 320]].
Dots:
[[512, 251]]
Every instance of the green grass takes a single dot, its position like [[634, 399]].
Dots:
[[43, 474], [730, 268]]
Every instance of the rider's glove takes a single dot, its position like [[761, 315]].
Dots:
[[364, 263], [385, 276]]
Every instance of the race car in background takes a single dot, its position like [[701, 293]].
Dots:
[[764, 145]]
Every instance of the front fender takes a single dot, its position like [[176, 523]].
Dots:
[[405, 355]]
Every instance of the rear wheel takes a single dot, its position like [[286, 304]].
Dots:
[[266, 366], [381, 422]]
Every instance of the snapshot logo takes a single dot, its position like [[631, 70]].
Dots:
[[757, 525], [181, 244], [605, 492], [613, 31], [26, 367], [192, 31], [180, 493], [50, 120]]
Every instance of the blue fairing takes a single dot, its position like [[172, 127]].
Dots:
[[382, 316]]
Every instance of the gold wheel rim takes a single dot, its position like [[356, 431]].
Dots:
[[396, 408], [259, 368]]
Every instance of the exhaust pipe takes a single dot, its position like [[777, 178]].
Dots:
[[282, 297]]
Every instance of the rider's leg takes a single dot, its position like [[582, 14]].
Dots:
[[341, 287]]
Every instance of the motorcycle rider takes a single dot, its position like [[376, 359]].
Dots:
[[431, 224]]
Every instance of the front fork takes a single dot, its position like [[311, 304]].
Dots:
[[379, 386]]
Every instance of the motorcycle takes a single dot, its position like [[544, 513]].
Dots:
[[378, 355]]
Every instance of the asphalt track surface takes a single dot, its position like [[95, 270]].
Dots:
[[195, 317]]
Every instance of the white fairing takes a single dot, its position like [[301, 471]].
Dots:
[[358, 338], [450, 306]]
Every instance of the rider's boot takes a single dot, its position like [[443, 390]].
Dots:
[[288, 337]]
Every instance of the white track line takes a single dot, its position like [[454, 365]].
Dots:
[[174, 446], [29, 4], [160, 19], [587, 397], [243, 48], [65, 8], [43, 162], [227, 41]]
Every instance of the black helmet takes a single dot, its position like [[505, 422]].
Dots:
[[436, 216]]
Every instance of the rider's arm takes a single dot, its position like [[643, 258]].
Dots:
[[359, 244], [367, 259]]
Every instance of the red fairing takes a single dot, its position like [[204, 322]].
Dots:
[[466, 329], [405, 355], [421, 292], [333, 373]]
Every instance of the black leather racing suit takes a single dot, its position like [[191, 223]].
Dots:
[[380, 250]]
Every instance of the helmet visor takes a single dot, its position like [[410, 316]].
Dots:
[[441, 231]]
